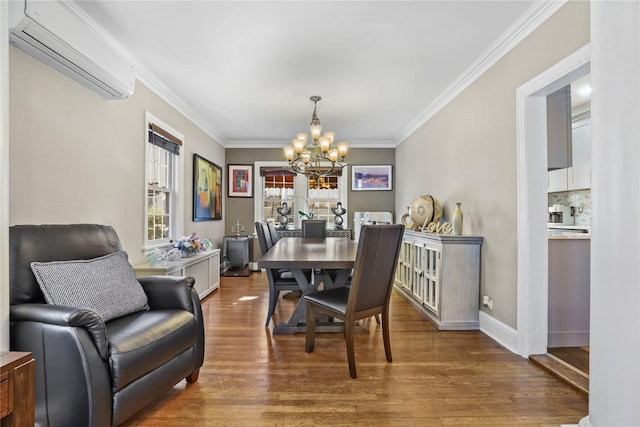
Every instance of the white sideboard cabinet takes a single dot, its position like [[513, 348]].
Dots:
[[204, 267], [440, 276]]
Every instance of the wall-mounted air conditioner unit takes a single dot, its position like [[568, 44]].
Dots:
[[56, 34]]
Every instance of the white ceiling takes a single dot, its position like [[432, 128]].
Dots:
[[247, 69]]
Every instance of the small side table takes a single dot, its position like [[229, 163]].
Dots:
[[17, 389]]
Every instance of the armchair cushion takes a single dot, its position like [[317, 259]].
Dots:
[[106, 285]]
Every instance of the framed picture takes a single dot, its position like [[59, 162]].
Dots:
[[240, 181], [207, 190], [371, 178]]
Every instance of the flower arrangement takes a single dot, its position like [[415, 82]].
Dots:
[[189, 244]]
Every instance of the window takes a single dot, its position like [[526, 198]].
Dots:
[[278, 184], [324, 195], [162, 182]]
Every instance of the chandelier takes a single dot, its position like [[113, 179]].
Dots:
[[321, 157]]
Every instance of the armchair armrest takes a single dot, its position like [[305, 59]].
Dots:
[[167, 292], [64, 316]]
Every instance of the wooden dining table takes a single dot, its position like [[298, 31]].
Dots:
[[332, 257]]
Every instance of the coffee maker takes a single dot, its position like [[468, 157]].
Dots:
[[560, 215]]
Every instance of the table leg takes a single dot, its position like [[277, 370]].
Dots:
[[297, 321]]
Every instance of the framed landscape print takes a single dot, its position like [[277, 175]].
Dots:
[[240, 181], [371, 178], [207, 190]]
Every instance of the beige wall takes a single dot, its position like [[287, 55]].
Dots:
[[242, 209], [467, 152], [78, 158]]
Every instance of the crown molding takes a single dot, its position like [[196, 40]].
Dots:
[[145, 76], [281, 144], [537, 14]]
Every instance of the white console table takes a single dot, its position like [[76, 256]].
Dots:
[[440, 276], [204, 267]]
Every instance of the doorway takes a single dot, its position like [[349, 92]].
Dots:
[[532, 199]]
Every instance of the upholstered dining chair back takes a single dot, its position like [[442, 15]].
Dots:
[[375, 267], [370, 290], [272, 231], [314, 228], [264, 238], [279, 280]]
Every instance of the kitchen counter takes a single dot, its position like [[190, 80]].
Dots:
[[562, 232], [577, 236]]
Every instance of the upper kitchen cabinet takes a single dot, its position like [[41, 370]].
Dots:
[[579, 175], [559, 129]]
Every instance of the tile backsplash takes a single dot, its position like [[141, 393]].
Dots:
[[580, 200]]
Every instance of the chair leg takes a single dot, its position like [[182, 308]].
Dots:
[[348, 336], [377, 319], [311, 328], [385, 334]]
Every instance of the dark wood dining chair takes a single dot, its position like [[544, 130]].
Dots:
[[314, 228], [272, 231], [279, 280], [370, 289]]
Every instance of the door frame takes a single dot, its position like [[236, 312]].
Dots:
[[531, 139]]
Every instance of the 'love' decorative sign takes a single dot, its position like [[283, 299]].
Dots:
[[433, 227]]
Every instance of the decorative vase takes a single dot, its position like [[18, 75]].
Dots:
[[457, 220]]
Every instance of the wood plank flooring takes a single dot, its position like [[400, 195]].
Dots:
[[578, 357], [437, 378]]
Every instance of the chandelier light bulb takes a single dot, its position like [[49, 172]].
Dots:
[[288, 153], [330, 135], [315, 131], [298, 145], [333, 155], [343, 147], [325, 143]]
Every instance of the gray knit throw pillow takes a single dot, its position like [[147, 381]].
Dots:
[[106, 285]]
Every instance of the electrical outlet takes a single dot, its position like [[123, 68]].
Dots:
[[487, 302]]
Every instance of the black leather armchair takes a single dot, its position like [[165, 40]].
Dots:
[[88, 372]]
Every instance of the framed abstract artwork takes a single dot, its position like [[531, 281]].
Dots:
[[240, 181], [207, 190], [371, 178]]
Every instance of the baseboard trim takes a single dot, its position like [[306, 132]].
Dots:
[[500, 332], [568, 339]]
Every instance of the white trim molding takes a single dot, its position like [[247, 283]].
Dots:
[[537, 14], [281, 144], [531, 143], [500, 332]]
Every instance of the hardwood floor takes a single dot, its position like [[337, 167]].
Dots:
[[437, 378], [578, 357]]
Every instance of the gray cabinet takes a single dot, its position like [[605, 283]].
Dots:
[[440, 276], [204, 267], [559, 145], [578, 176]]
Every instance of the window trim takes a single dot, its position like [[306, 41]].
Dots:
[[300, 183], [177, 199]]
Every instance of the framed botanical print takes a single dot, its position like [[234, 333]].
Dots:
[[207, 190], [240, 181]]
